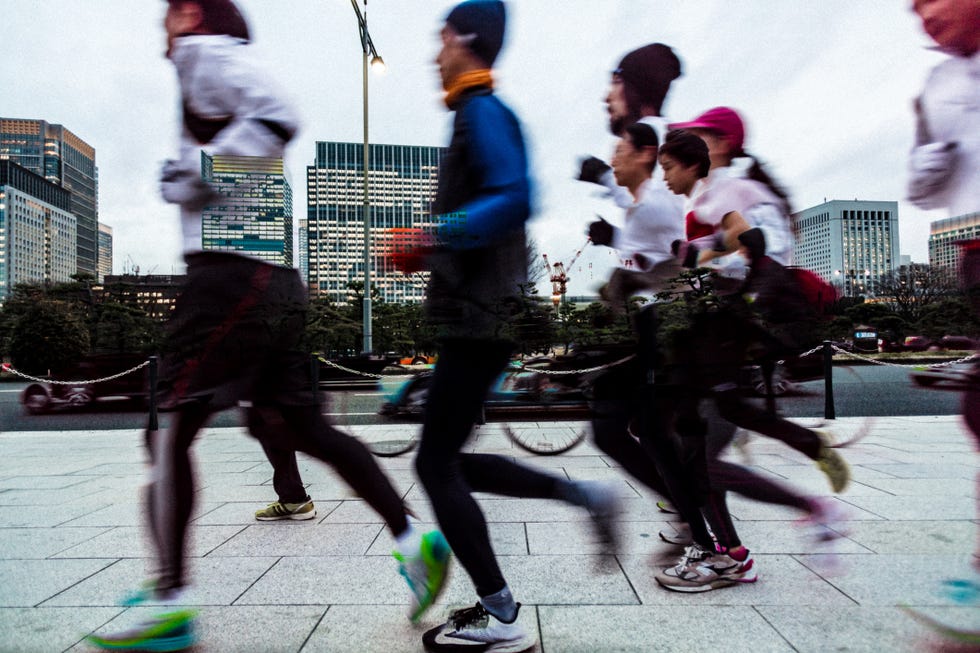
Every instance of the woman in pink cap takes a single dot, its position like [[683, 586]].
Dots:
[[732, 199]]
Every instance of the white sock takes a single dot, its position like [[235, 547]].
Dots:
[[409, 541]]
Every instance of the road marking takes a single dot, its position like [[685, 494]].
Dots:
[[11, 391], [340, 414]]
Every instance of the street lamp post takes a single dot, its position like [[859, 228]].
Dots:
[[369, 53]]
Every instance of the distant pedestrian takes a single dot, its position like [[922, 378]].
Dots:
[[236, 329]]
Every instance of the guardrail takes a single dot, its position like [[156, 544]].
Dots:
[[827, 350]]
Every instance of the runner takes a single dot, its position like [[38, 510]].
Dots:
[[236, 328]]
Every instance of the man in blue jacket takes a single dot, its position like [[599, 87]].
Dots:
[[477, 270]]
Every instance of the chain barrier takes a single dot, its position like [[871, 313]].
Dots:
[[907, 365], [7, 368], [546, 372]]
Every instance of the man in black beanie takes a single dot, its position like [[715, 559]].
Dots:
[[637, 91], [477, 268]]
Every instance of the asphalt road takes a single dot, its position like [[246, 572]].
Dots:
[[859, 391]]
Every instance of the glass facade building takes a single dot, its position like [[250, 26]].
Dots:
[[255, 215], [944, 234], [37, 229], [851, 244], [402, 184], [105, 251], [62, 158]]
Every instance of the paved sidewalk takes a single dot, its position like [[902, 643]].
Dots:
[[71, 544]]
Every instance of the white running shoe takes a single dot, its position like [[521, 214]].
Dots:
[[477, 630]]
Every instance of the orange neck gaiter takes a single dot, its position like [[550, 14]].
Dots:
[[466, 81]]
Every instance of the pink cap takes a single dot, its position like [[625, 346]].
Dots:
[[721, 120]]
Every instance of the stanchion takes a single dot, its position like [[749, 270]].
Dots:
[[315, 377], [153, 424], [828, 381]]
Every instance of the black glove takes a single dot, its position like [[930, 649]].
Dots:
[[601, 232], [592, 170], [686, 252]]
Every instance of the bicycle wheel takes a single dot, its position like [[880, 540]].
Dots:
[[545, 442]]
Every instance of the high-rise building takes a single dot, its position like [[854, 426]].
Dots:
[[255, 215], [37, 229], [105, 251], [943, 234], [302, 253], [402, 183], [63, 158], [851, 244]]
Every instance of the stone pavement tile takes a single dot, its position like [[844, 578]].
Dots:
[[531, 510], [635, 537], [651, 629], [42, 630], [326, 580], [287, 540], [129, 513], [744, 509], [258, 495], [40, 543], [357, 511], [566, 461], [881, 579], [916, 507], [860, 628], [783, 580], [53, 515], [385, 629], [234, 629], [214, 581], [940, 537], [243, 512], [132, 542], [764, 537], [25, 583], [567, 580], [75, 494], [941, 487], [48, 482], [506, 539]]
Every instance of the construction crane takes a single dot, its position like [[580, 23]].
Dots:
[[558, 277]]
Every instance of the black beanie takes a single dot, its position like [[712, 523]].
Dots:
[[647, 73], [485, 20]]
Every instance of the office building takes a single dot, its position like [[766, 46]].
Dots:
[[62, 158], [37, 230], [303, 256], [402, 183], [255, 214], [944, 234], [851, 244], [105, 251], [154, 293]]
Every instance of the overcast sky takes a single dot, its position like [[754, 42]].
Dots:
[[825, 87]]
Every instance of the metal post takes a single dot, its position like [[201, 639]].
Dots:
[[368, 345], [828, 381], [315, 377], [152, 423]]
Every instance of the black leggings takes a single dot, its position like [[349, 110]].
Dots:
[[170, 495], [463, 375]]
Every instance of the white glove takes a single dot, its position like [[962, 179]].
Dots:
[[931, 166], [185, 187]]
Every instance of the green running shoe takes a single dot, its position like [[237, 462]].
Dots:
[[425, 572], [166, 632]]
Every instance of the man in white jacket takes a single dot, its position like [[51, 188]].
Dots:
[[236, 329]]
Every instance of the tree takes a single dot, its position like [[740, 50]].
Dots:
[[914, 287], [951, 315], [49, 335], [331, 329]]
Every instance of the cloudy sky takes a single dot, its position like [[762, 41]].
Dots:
[[826, 89]]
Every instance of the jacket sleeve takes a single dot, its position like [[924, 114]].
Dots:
[[497, 158]]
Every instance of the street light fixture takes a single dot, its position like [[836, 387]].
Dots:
[[378, 65]]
